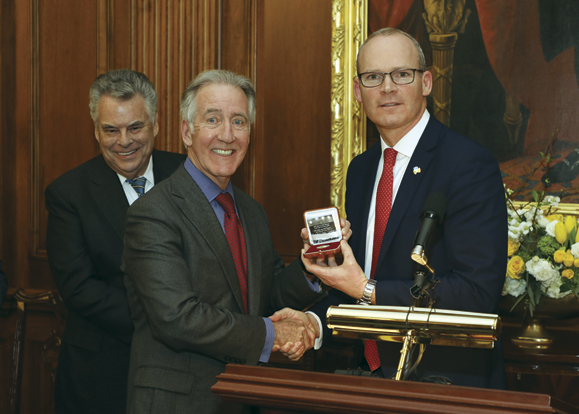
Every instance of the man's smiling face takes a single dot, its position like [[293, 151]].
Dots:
[[395, 109], [125, 134], [220, 136]]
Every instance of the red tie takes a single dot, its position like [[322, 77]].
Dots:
[[236, 240], [382, 212]]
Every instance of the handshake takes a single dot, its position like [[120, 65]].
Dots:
[[295, 332]]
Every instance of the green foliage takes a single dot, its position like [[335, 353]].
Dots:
[[548, 245]]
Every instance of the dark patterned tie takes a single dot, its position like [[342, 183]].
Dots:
[[236, 240], [138, 185], [383, 207]]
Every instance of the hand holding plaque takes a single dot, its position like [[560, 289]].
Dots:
[[324, 232]]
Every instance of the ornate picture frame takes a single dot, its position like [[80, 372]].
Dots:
[[348, 128]]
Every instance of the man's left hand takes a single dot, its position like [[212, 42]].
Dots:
[[348, 277]]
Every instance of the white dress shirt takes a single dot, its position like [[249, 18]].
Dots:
[[405, 148], [130, 191]]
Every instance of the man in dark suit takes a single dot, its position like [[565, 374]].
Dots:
[[84, 240], [199, 292], [417, 156]]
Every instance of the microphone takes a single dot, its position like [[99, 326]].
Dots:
[[432, 215]]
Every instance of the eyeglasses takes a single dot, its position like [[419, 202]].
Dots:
[[399, 77]]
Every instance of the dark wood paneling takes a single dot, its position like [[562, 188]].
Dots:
[[293, 143], [62, 129], [162, 47]]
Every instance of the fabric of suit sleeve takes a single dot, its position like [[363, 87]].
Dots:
[[79, 284]]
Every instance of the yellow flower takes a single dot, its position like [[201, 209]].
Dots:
[[568, 273], [559, 256], [570, 223], [577, 237], [560, 232], [552, 217], [569, 259], [576, 263], [513, 247], [515, 267]]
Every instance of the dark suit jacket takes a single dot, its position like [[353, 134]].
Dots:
[[3, 285], [468, 252], [185, 297], [84, 240]]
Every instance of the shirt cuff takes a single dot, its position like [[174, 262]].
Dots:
[[269, 340], [319, 339], [314, 286]]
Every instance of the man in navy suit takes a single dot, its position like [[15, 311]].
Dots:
[[468, 250], [84, 241]]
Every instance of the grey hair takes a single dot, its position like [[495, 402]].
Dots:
[[123, 84], [210, 77], [388, 31]]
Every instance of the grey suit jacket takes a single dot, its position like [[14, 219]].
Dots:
[[185, 297]]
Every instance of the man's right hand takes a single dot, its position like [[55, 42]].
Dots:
[[292, 337]]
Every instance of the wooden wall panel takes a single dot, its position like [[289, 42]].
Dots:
[[293, 163], [62, 129], [162, 47]]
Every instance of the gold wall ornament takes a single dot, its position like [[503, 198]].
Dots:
[[348, 129], [443, 19]]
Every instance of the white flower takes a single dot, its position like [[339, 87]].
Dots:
[[553, 290], [575, 250], [525, 226], [514, 287], [542, 221], [550, 229], [551, 200], [542, 270]]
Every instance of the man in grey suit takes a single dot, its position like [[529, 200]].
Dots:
[[84, 240], [198, 299]]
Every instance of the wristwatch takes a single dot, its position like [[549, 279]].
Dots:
[[366, 298]]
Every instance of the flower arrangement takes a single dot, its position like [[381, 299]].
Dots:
[[543, 251]]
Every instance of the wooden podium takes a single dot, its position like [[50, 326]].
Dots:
[[286, 391]]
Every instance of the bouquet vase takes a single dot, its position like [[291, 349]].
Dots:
[[533, 333]]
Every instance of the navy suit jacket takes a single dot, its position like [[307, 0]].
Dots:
[[468, 251], [84, 241]]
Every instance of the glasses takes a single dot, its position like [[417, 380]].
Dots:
[[399, 77]]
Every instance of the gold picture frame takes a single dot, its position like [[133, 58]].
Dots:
[[348, 128]]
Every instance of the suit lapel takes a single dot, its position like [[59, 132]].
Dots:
[[250, 232], [107, 192], [421, 158], [196, 208], [362, 194]]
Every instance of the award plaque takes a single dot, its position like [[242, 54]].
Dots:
[[324, 231]]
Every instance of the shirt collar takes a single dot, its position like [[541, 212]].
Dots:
[[148, 173], [408, 143], [208, 187]]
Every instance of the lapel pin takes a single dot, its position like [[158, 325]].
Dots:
[[416, 170]]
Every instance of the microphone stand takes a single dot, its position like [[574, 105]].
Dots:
[[418, 291]]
